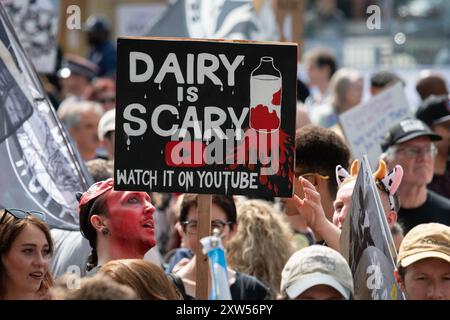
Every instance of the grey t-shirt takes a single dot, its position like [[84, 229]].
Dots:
[[71, 252]]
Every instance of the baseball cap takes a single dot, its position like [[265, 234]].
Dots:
[[107, 123], [428, 240], [434, 110], [96, 190], [406, 130], [73, 64], [316, 265]]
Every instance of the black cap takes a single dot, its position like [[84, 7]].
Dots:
[[97, 23], [406, 130], [73, 64], [434, 110]]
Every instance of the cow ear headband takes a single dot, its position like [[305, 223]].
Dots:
[[342, 174], [389, 182]]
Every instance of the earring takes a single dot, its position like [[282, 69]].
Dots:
[[105, 231]]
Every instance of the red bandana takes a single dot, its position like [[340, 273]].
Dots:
[[96, 190]]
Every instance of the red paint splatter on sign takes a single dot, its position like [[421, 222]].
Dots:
[[262, 119], [276, 98]]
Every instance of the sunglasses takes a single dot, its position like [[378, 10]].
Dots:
[[22, 214], [309, 174]]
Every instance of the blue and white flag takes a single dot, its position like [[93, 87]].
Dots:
[[220, 289]]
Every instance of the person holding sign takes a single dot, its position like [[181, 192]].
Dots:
[[223, 218], [311, 209], [311, 142], [423, 263], [118, 224]]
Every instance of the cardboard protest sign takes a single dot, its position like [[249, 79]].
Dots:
[[365, 125], [211, 117], [367, 244]]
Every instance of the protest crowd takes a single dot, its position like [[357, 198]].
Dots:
[[358, 206]]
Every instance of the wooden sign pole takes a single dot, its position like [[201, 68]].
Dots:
[[202, 276], [296, 9]]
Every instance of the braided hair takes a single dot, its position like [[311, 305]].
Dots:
[[95, 206]]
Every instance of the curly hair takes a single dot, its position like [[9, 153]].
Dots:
[[262, 244], [320, 150]]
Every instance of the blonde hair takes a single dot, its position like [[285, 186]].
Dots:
[[262, 244], [147, 279]]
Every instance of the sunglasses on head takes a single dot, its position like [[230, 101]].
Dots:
[[22, 214]]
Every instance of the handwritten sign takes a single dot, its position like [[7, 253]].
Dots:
[[365, 125], [212, 117]]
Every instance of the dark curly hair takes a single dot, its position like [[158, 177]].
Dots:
[[320, 150]]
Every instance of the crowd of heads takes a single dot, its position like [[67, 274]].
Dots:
[[264, 261]]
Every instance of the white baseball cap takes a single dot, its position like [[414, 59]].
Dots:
[[107, 123], [316, 265]]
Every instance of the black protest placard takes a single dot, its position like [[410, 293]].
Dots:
[[211, 117], [367, 244]]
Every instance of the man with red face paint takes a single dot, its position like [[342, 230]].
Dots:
[[117, 224]]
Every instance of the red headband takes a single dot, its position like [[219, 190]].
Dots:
[[96, 190]]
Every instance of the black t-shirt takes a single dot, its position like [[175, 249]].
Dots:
[[247, 287], [435, 209], [441, 182]]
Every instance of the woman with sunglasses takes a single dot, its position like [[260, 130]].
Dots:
[[25, 250]]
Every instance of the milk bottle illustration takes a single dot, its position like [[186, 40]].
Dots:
[[265, 97]]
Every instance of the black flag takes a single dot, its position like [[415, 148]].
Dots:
[[39, 168]]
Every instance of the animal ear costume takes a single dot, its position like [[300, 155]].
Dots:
[[342, 174], [389, 182]]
